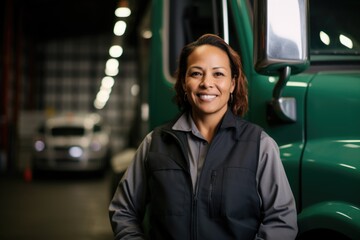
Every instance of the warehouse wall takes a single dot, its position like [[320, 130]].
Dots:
[[65, 75]]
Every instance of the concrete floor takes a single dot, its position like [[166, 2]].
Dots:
[[60, 206]]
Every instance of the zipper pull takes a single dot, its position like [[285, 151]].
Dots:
[[213, 177], [212, 183], [211, 189]]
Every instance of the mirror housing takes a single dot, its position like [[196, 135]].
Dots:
[[281, 48], [280, 36]]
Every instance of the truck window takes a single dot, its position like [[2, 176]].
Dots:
[[334, 28], [188, 20]]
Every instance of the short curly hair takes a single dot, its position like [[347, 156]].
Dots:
[[239, 102]]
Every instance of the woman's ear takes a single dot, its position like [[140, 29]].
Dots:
[[233, 83], [184, 86]]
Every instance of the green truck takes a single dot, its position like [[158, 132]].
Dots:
[[302, 62]]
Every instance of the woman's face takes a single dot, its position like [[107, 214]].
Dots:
[[208, 81]]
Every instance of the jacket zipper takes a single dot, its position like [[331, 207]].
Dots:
[[195, 194], [194, 218], [211, 189]]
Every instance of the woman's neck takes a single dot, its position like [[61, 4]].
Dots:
[[207, 124]]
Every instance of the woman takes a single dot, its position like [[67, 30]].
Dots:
[[209, 174]]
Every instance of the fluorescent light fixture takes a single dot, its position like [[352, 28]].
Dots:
[[324, 38], [119, 28], [116, 51], [123, 12], [346, 41]]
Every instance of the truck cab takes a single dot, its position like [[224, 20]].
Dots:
[[309, 104]]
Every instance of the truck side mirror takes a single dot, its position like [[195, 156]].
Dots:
[[281, 46]]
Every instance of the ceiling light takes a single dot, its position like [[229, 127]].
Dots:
[[123, 12], [116, 51], [119, 28]]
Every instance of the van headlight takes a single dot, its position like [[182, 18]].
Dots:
[[39, 145], [75, 151]]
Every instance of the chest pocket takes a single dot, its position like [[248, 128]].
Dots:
[[167, 184], [233, 194]]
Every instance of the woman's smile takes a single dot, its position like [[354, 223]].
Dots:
[[206, 97]]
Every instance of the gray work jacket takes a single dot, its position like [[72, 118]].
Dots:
[[277, 204]]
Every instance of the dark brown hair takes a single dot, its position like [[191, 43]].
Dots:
[[239, 102]]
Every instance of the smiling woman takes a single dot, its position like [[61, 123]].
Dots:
[[208, 173]]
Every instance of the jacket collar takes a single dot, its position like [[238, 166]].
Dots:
[[186, 124]]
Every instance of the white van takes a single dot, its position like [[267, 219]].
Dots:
[[72, 142]]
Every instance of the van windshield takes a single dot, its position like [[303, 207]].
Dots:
[[67, 131]]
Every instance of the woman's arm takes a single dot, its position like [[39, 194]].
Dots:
[[278, 203], [127, 208]]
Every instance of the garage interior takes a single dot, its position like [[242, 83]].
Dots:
[[54, 56]]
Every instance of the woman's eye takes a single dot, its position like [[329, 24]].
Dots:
[[195, 74], [218, 74]]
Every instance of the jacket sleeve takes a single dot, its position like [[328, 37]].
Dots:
[[278, 203], [127, 207]]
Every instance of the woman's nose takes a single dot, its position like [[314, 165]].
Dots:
[[206, 81]]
